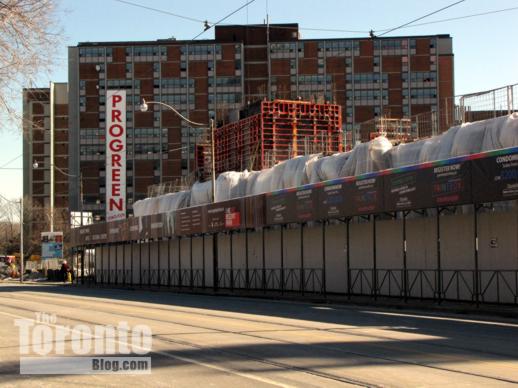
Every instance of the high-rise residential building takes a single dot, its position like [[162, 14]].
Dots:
[[369, 77], [45, 117]]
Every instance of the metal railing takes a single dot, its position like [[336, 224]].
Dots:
[[450, 111], [482, 286], [490, 286], [272, 279], [488, 104]]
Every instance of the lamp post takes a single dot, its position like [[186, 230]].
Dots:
[[144, 108], [22, 269], [35, 165], [51, 156], [215, 254]]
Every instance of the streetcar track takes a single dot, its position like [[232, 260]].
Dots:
[[280, 365], [326, 348], [339, 330]]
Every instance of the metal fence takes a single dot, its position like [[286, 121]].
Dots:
[[450, 111], [488, 104]]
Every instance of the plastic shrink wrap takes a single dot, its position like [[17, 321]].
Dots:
[[292, 172], [201, 193], [231, 184], [367, 157], [460, 140], [378, 154], [259, 182], [328, 167]]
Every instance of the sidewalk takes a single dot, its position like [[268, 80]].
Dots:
[[39, 281]]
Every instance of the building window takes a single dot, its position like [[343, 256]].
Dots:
[[225, 98], [175, 99], [420, 76], [368, 78], [174, 83], [420, 93], [225, 81], [141, 51], [88, 52]]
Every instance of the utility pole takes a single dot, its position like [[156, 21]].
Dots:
[[213, 159], [22, 269], [52, 156]]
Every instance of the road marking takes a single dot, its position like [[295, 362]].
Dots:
[[182, 358], [437, 318]]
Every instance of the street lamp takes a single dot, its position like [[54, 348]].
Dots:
[[35, 165], [144, 108]]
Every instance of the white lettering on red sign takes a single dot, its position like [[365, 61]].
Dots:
[[115, 155]]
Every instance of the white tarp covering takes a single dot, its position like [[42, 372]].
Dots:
[[231, 184], [378, 154], [328, 167], [260, 182], [465, 139], [201, 193], [367, 157], [292, 172], [145, 207], [161, 204]]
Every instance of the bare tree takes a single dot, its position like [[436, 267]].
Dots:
[[37, 219], [29, 37], [9, 227]]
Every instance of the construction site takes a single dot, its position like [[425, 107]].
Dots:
[[273, 131], [411, 212]]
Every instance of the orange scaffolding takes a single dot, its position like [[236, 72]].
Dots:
[[282, 130]]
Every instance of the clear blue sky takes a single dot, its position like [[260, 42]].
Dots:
[[484, 46]]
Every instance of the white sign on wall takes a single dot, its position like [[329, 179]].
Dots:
[[115, 155]]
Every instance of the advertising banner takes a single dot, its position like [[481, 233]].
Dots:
[[306, 203], [227, 215], [278, 207], [404, 191], [450, 184], [293, 205], [115, 155], [52, 245], [134, 228], [255, 211], [495, 178], [331, 198], [364, 195], [118, 231], [189, 221]]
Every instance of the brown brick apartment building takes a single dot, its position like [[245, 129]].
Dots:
[[37, 126], [368, 77]]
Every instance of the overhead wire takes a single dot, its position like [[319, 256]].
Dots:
[[208, 27], [383, 30], [460, 17], [161, 11], [10, 161], [422, 17]]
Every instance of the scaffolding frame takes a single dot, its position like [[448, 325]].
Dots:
[[283, 129]]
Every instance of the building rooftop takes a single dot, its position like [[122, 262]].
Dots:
[[220, 30]]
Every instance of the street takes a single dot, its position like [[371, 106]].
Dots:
[[201, 340]]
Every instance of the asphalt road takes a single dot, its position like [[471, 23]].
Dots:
[[216, 341]]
